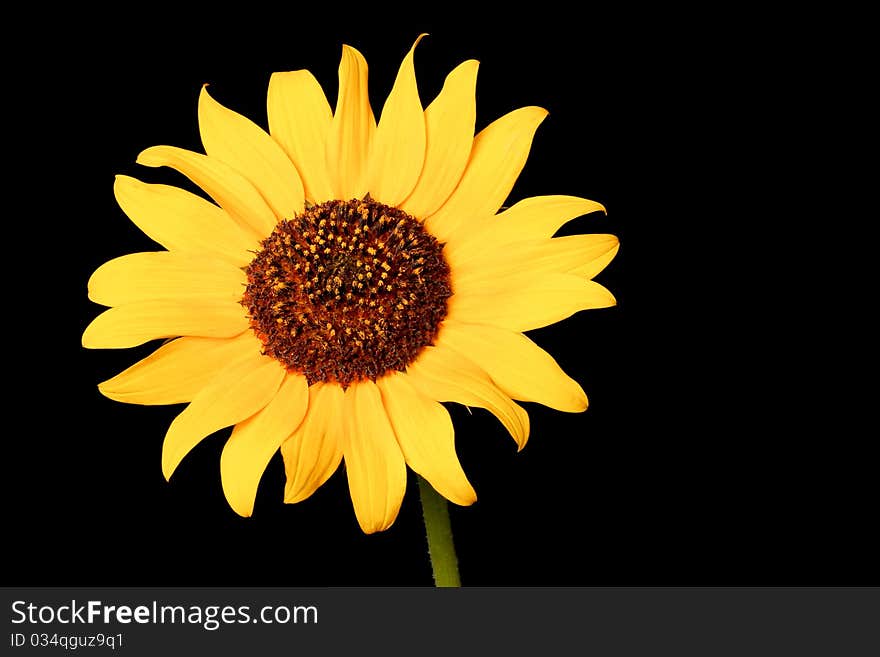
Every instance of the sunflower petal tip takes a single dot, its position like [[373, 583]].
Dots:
[[462, 69], [592, 206], [169, 464], [468, 499], [581, 403], [147, 157], [293, 496], [108, 391], [242, 511], [87, 338], [351, 51], [90, 289], [370, 527], [120, 181]]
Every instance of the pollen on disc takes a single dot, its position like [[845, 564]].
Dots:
[[347, 291]]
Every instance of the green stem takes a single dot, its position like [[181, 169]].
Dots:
[[440, 545]]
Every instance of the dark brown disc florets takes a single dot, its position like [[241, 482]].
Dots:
[[347, 291]]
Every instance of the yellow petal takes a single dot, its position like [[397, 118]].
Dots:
[[175, 372], [449, 132], [232, 191], [542, 216], [242, 144], [533, 258], [299, 120], [526, 303], [426, 437], [165, 275], [254, 441], [184, 222], [398, 148], [532, 218], [241, 389], [591, 267], [136, 323], [516, 365], [314, 450], [352, 128], [373, 460], [445, 375], [498, 155]]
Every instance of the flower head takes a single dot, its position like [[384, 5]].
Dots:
[[348, 278]]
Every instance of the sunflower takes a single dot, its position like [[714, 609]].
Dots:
[[348, 278]]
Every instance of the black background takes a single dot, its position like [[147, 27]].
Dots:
[[693, 466]]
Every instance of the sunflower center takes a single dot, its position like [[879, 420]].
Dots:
[[347, 291]]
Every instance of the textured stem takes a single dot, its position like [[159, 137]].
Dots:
[[440, 546]]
